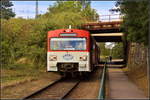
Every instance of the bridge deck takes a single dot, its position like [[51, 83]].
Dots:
[[121, 87], [103, 26], [105, 31]]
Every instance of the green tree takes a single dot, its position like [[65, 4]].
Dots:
[[117, 51], [135, 20], [6, 11], [26, 38], [71, 7], [104, 51]]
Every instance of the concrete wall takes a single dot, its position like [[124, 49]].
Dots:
[[137, 66]]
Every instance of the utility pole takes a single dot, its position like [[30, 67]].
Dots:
[[85, 3], [36, 9]]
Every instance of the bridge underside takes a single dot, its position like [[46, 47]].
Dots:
[[105, 30], [108, 37], [112, 37]]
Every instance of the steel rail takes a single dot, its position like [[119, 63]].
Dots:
[[102, 83], [67, 93], [50, 85], [42, 89]]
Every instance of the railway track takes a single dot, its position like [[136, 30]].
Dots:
[[57, 90]]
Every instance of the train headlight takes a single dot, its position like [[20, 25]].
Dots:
[[52, 58], [83, 58]]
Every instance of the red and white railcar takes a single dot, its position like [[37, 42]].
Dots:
[[71, 50]]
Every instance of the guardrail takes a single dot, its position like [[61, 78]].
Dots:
[[111, 17], [102, 83]]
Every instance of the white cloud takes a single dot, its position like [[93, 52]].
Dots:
[[109, 45], [26, 10]]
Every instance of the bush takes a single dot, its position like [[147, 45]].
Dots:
[[27, 37]]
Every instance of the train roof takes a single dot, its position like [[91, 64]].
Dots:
[[79, 32]]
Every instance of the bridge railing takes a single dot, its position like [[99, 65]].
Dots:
[[109, 18], [103, 83]]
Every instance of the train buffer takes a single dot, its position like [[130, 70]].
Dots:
[[120, 87]]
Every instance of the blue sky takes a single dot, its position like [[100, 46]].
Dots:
[[26, 9]]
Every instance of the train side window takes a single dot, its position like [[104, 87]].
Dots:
[[93, 46]]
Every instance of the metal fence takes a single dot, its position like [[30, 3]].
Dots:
[[109, 18]]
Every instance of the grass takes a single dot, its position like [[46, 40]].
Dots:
[[17, 73], [19, 80]]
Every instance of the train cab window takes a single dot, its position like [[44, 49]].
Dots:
[[68, 44]]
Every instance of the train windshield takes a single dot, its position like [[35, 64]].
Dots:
[[68, 43]]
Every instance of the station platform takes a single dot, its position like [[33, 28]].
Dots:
[[120, 87]]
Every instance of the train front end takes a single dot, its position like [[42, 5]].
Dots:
[[68, 50]]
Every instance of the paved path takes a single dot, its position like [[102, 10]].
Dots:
[[121, 87]]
